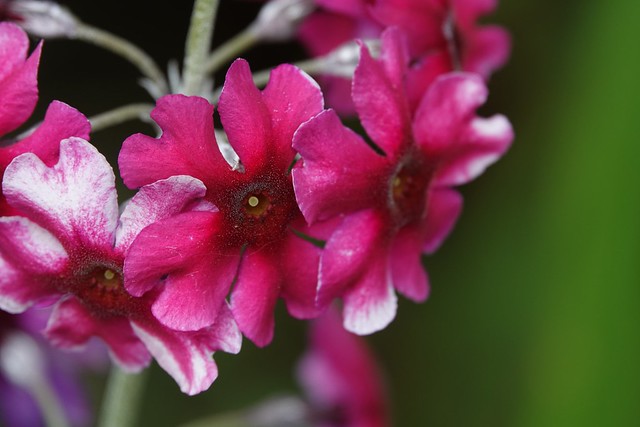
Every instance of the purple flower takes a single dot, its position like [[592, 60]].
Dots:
[[69, 248], [194, 258], [341, 378], [395, 201], [17, 405]]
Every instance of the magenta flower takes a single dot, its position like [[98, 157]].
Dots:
[[396, 202], [341, 378], [70, 248], [195, 257], [18, 97], [448, 27]]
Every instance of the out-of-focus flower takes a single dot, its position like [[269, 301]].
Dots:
[[341, 378], [18, 408], [194, 258], [18, 97], [395, 200], [70, 246]]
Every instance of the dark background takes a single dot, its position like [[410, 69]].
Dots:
[[533, 316]]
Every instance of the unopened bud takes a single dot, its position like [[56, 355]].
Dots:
[[279, 19], [44, 19]]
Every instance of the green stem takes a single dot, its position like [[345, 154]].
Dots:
[[125, 49], [198, 44], [119, 115], [231, 49], [122, 399]]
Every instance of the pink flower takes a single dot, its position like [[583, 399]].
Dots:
[[194, 258], [395, 200], [341, 378], [18, 97], [448, 27], [69, 248]]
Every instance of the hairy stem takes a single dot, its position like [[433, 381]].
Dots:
[[198, 44]]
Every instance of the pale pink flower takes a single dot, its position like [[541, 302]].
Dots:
[[69, 248], [194, 258], [341, 378], [395, 201]]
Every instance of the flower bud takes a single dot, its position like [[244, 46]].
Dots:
[[279, 19], [44, 19]]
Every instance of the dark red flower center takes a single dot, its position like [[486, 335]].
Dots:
[[103, 292], [408, 190], [259, 211]]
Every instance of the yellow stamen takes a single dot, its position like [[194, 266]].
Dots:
[[109, 275], [253, 201]]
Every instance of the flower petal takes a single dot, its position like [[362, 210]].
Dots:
[[187, 146], [379, 98], [324, 185], [301, 260], [71, 325], [187, 356], [18, 78], [254, 297], [180, 254], [27, 254], [371, 304], [348, 252], [292, 98], [75, 200], [245, 117], [443, 209], [155, 202], [487, 51], [447, 129], [405, 256]]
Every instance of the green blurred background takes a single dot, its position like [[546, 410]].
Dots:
[[533, 317]]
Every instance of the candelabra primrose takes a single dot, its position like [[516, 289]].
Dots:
[[252, 192]]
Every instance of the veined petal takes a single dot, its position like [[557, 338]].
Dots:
[[27, 254], [18, 78], [187, 356], [245, 116], [75, 200], [371, 304], [187, 146], [409, 276], [292, 97], [180, 255], [254, 297], [324, 185], [380, 100], [71, 325], [443, 209], [155, 202]]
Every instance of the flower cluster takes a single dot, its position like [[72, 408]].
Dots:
[[280, 200]]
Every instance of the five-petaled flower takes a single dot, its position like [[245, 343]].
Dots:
[[70, 247], [250, 237], [395, 200]]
